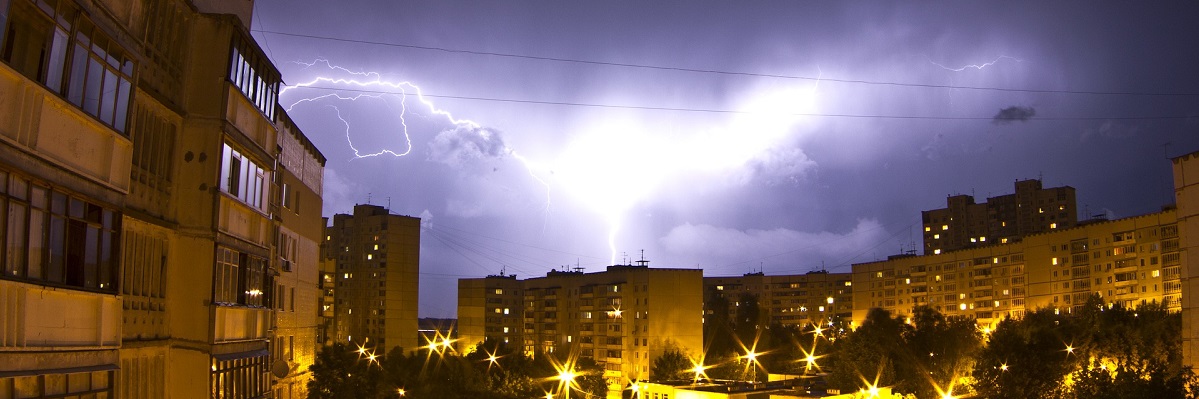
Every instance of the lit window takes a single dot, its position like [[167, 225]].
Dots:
[[983, 239], [850, 283], [720, 288], [369, 256], [256, 78], [936, 252], [822, 308], [972, 239], [1061, 207], [497, 310], [499, 291], [347, 275], [376, 247], [994, 260], [936, 236], [928, 228], [1157, 273], [1054, 261], [944, 227], [1003, 241], [505, 310], [1039, 210], [962, 306]]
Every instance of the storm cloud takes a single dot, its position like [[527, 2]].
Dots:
[[1013, 113], [465, 143]]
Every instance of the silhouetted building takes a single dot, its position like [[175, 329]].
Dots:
[[1006, 218], [377, 264], [788, 300], [139, 193]]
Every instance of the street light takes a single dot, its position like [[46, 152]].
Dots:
[[567, 378]]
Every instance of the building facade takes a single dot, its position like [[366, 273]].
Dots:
[[376, 261], [138, 150], [1186, 195], [1006, 218], [490, 307], [622, 317], [1128, 261], [788, 300], [299, 232]]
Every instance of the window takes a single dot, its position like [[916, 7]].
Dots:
[[57, 45], [242, 178], [54, 238], [254, 75], [244, 377], [240, 279]]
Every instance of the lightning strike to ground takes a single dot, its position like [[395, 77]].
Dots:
[[975, 66]]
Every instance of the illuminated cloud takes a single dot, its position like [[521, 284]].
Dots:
[[722, 245], [1012, 114], [466, 143]]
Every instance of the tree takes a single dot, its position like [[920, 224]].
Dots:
[[937, 351], [339, 372], [868, 355], [672, 365]]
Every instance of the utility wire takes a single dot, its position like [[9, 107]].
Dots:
[[729, 111], [728, 73]]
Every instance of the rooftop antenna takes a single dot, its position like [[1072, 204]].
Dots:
[[643, 262], [368, 198], [388, 202]]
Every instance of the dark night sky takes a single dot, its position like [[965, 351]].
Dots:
[[840, 123]]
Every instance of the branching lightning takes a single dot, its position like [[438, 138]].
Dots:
[[403, 90], [975, 66], [609, 166]]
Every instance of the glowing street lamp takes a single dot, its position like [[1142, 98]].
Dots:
[[401, 391], [567, 378]]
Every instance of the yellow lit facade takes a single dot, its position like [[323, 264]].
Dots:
[[375, 257], [490, 307], [789, 300], [141, 205], [1127, 261], [622, 317], [1186, 194]]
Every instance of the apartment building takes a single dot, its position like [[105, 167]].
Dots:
[[299, 232], [1127, 261], [376, 259], [1030, 210], [490, 307], [141, 203], [1186, 195], [623, 317], [788, 300]]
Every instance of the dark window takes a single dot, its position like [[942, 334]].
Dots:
[[56, 238]]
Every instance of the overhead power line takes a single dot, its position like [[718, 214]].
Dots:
[[728, 73], [729, 111]]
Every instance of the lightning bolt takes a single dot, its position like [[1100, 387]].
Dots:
[[975, 66], [404, 90]]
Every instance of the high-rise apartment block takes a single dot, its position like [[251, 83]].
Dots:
[[1127, 261], [375, 257], [622, 317], [788, 300], [159, 210], [1030, 210], [490, 307]]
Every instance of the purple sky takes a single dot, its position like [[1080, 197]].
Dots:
[[788, 163]]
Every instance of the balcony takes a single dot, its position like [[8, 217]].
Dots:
[[39, 121], [236, 323], [34, 317]]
